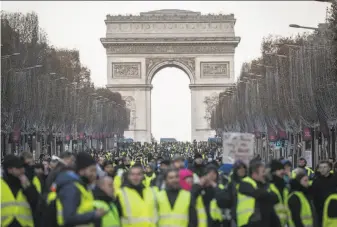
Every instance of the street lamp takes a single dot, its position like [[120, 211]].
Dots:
[[9, 55], [304, 27], [328, 1]]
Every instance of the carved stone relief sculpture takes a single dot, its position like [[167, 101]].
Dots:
[[170, 49], [125, 70], [210, 105], [131, 105], [214, 69], [169, 27], [153, 62]]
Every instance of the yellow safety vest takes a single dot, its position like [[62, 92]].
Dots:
[[201, 212], [118, 180], [309, 173], [215, 211], [306, 213], [147, 180], [281, 208], [14, 208], [245, 205], [86, 205], [111, 219], [138, 211], [36, 182], [329, 221], [179, 215]]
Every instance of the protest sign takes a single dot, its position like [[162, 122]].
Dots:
[[237, 146]]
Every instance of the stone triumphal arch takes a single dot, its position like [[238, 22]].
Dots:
[[138, 46]]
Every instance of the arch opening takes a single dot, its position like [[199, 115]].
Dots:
[[171, 104], [170, 64]]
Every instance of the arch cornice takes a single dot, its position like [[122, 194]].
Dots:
[[153, 65]]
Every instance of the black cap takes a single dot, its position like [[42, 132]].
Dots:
[[84, 160], [165, 162], [12, 161], [276, 165]]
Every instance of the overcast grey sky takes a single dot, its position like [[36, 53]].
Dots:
[[80, 25]]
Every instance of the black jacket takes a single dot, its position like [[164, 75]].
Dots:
[[280, 185], [30, 192], [321, 188], [294, 204], [264, 206]]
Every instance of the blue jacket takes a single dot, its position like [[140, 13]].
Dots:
[[70, 198]]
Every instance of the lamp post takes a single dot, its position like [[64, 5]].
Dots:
[[304, 27], [9, 55], [327, 1]]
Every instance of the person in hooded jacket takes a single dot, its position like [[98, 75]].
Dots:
[[214, 213], [198, 167], [254, 201], [158, 183], [302, 212], [186, 183], [229, 199], [16, 192], [76, 200], [65, 162]]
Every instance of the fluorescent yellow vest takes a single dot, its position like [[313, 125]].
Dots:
[[118, 180], [147, 180], [36, 182], [111, 219], [201, 212], [215, 211], [86, 205], [306, 214], [14, 208], [179, 215], [281, 208], [309, 172], [245, 205], [328, 221], [137, 211]]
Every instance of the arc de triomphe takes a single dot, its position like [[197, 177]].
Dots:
[[138, 46]]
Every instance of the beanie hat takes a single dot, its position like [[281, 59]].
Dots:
[[84, 160], [276, 165], [197, 155], [12, 161], [211, 167], [286, 162]]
